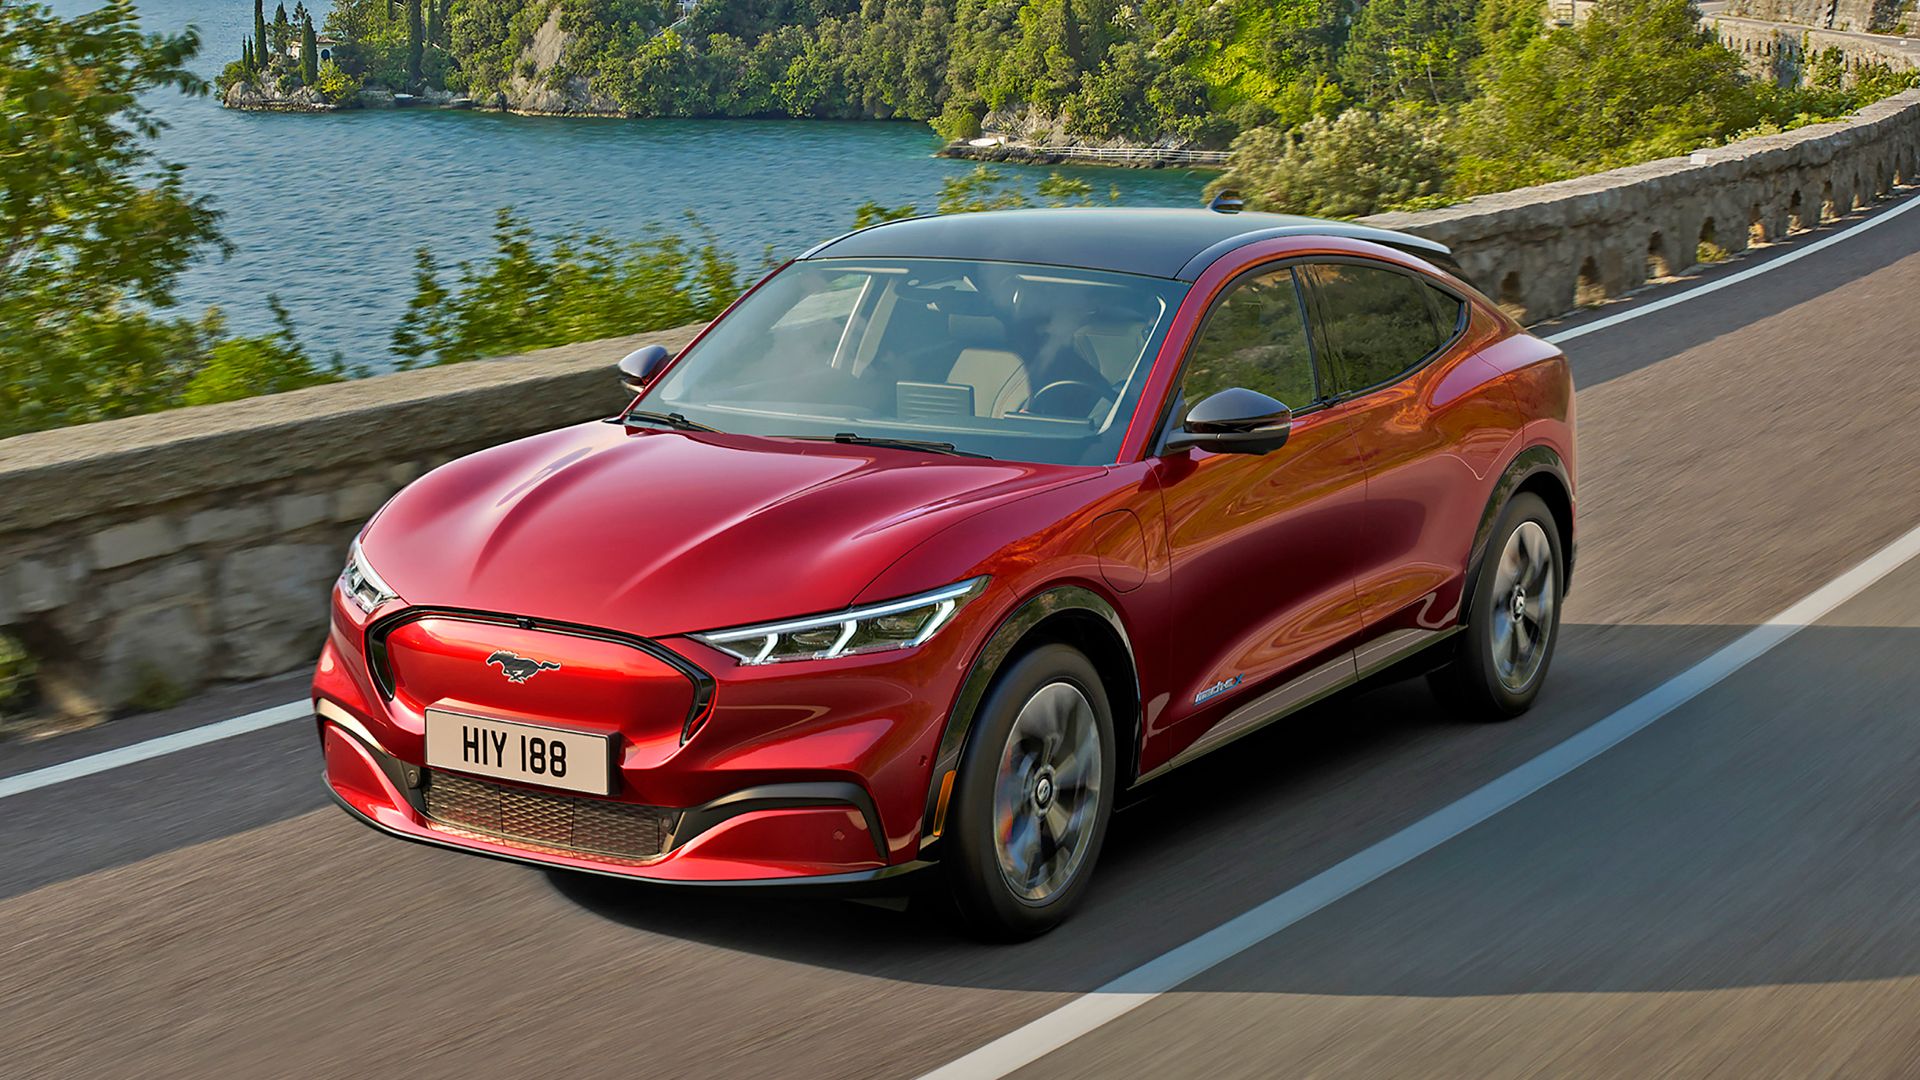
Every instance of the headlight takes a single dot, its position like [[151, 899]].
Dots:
[[361, 584], [897, 624]]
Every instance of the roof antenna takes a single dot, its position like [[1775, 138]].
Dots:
[[1227, 202]]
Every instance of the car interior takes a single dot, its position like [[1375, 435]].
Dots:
[[999, 348]]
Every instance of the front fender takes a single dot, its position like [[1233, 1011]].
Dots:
[[993, 655]]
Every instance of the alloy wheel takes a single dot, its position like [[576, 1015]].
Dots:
[[1525, 592], [1046, 796]]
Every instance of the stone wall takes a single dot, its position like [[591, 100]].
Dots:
[[1783, 53], [1543, 251], [141, 559], [1864, 15]]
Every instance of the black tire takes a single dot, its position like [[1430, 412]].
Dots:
[[988, 902], [1475, 683]]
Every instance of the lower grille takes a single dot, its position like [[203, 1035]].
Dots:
[[546, 821]]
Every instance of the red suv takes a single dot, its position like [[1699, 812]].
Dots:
[[945, 535]]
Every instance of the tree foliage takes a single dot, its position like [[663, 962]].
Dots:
[[93, 230], [1361, 163], [535, 292]]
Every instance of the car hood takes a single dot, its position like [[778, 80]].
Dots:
[[665, 532]]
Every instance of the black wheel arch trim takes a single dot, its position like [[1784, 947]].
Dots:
[[993, 656], [1527, 464]]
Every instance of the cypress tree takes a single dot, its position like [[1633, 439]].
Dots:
[[433, 21], [414, 45], [259, 33], [309, 54]]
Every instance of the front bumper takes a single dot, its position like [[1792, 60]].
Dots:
[[811, 773], [352, 768]]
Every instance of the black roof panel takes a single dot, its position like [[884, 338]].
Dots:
[[1163, 243]]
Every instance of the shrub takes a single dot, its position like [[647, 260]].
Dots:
[[336, 85], [1361, 163], [535, 292]]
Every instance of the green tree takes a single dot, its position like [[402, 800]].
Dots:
[[309, 54], [280, 34], [1410, 50], [537, 292], [335, 85], [1361, 163], [415, 46], [260, 52], [93, 230], [1638, 79]]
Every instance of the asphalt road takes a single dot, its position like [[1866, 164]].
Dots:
[[1729, 892]]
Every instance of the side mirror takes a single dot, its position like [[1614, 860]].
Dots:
[[639, 367], [1235, 421]]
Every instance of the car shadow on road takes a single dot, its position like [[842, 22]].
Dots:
[[1682, 842], [1602, 881]]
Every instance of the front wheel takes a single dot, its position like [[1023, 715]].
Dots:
[[1513, 617], [1033, 797]]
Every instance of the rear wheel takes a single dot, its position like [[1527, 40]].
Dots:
[[1033, 797], [1513, 617]]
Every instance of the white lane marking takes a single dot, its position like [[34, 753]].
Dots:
[[1734, 279], [55, 774], [1084, 1014], [34, 779]]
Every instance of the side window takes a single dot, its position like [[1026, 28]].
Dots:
[[1255, 337], [1447, 310], [1378, 323]]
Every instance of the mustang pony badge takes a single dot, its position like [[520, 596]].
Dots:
[[519, 668]]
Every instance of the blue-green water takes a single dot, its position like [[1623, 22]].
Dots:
[[326, 210]]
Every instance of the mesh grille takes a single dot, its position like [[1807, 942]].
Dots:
[[546, 821]]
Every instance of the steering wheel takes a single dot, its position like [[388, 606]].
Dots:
[[1067, 397]]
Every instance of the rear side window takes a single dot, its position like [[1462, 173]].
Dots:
[[1255, 338], [1378, 323]]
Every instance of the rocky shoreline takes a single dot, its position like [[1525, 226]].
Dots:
[[254, 97], [1011, 153]]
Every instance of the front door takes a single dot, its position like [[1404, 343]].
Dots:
[[1261, 570]]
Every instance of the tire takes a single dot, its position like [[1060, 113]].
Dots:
[[1025, 775], [1495, 673]]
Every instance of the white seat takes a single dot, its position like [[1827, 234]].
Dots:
[[998, 378]]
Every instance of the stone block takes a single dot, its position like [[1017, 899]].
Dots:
[[134, 541], [356, 503], [272, 614], [175, 582], [301, 509], [405, 473], [154, 654], [43, 583], [224, 524]]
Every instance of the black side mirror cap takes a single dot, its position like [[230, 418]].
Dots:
[[1235, 421], [641, 366]]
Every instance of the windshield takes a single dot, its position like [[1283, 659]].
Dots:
[[1011, 361]]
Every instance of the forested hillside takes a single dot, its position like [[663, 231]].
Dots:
[[1331, 106], [1147, 70]]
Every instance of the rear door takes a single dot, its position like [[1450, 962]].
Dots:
[[1393, 345], [1261, 545]]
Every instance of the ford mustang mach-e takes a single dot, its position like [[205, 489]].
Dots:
[[946, 535]]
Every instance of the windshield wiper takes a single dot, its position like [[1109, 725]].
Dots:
[[672, 419], [848, 438]]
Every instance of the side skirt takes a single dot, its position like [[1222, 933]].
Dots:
[[1290, 697]]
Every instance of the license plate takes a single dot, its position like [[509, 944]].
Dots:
[[529, 753]]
